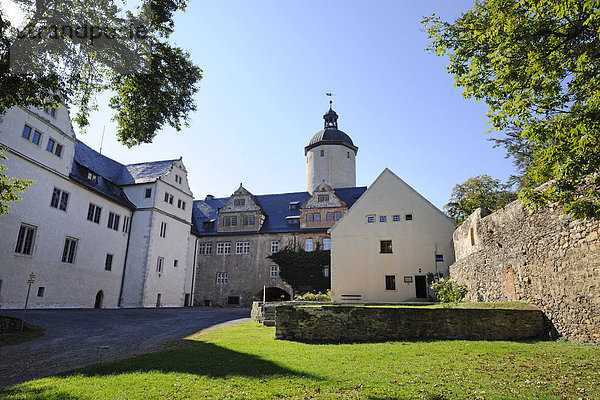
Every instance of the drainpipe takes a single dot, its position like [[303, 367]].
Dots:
[[120, 303], [193, 273]]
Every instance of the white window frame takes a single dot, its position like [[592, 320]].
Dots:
[[163, 230], [160, 263], [222, 278], [309, 245], [70, 250], [327, 244], [239, 247], [274, 271], [61, 200], [274, 246], [25, 244]]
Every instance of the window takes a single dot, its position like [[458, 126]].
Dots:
[[308, 245], [168, 198], [239, 202], [396, 218], [205, 249], [408, 217], [183, 205], [244, 220], [226, 221], [294, 205], [25, 240], [274, 271], [221, 278], [41, 291], [386, 246], [26, 132], [58, 150], [330, 216], [382, 218], [163, 229], [224, 248], [177, 179], [233, 221], [347, 154], [160, 262], [390, 282], [291, 220], [274, 246], [326, 244], [59, 200], [175, 263], [439, 257], [125, 224], [37, 138], [148, 193], [69, 250], [50, 145], [309, 218], [94, 213], [239, 247], [338, 215], [251, 220], [317, 217], [370, 219], [323, 197], [92, 177], [108, 262], [326, 272], [246, 247], [322, 153], [178, 203], [113, 221], [233, 300], [51, 111]]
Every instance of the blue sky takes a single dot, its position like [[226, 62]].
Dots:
[[267, 65]]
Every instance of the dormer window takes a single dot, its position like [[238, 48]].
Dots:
[[92, 177], [323, 197], [239, 202], [294, 205], [292, 219]]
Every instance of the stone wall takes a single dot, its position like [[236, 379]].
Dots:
[[368, 324], [543, 258]]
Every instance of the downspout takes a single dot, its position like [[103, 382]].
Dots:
[[193, 273], [120, 303]]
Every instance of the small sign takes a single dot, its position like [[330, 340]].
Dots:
[[31, 279], [408, 279]]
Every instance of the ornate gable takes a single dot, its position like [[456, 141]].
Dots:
[[324, 197], [240, 213]]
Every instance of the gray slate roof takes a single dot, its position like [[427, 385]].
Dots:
[[112, 174], [275, 207]]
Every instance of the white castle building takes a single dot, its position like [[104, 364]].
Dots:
[[97, 233]]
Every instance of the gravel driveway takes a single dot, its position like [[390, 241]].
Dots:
[[75, 338]]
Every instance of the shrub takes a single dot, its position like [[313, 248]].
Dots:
[[448, 291], [315, 297]]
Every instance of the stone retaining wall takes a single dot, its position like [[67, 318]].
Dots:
[[543, 258], [372, 324]]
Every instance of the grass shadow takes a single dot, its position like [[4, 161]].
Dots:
[[30, 332]]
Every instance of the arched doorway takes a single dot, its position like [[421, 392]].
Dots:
[[99, 298], [273, 294]]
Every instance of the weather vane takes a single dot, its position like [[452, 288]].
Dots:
[[329, 94]]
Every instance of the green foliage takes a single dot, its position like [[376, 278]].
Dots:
[[448, 291], [537, 66], [303, 270], [152, 83], [315, 297], [479, 191], [10, 188], [245, 361]]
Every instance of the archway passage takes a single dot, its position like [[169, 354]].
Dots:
[[99, 298], [274, 294]]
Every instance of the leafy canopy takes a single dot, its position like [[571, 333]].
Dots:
[[10, 188], [71, 50], [479, 191], [537, 66]]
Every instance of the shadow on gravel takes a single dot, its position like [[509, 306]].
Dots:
[[186, 356]]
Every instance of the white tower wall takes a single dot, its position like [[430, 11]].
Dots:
[[337, 166]]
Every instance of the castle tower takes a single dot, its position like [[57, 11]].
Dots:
[[330, 156]]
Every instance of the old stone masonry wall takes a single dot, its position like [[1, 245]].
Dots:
[[544, 258]]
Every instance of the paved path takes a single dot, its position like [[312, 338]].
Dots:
[[75, 338]]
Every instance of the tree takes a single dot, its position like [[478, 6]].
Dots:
[[303, 270], [71, 50], [10, 188], [537, 66], [479, 191]]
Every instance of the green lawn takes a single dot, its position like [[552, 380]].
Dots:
[[244, 361]]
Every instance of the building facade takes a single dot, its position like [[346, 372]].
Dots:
[[387, 243], [94, 232]]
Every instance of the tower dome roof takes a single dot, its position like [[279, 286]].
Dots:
[[331, 134]]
